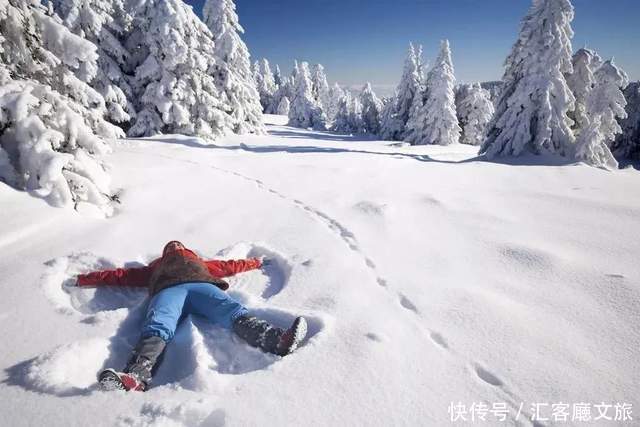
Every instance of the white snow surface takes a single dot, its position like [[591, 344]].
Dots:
[[427, 277]]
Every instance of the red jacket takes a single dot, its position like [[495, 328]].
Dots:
[[140, 277]]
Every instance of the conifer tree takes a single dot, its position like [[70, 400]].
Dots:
[[394, 124], [232, 69], [531, 114], [284, 107], [371, 110], [627, 144], [305, 111], [475, 111], [266, 85], [320, 87], [436, 121], [581, 81], [173, 55], [277, 76], [605, 104], [104, 23], [335, 95], [52, 121]]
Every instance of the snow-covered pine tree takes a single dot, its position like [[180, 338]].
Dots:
[[173, 55], [320, 87], [371, 110], [349, 120], [394, 124], [266, 85], [627, 144], [104, 23], [531, 115], [284, 107], [277, 76], [605, 104], [475, 111], [285, 90], [342, 120], [356, 123], [436, 121], [581, 81], [52, 121], [305, 111], [335, 95], [257, 77], [232, 69]]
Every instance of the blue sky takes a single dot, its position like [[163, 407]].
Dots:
[[366, 40]]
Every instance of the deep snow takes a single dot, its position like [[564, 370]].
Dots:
[[428, 277]]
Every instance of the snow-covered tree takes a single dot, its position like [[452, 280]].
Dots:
[[605, 104], [232, 69], [266, 85], [355, 116], [494, 89], [255, 72], [627, 144], [436, 121], [52, 122], [335, 95], [305, 111], [349, 120], [285, 90], [104, 23], [174, 60], [475, 111], [371, 110], [581, 81], [342, 120], [320, 87], [284, 107], [277, 76], [394, 123], [531, 115]]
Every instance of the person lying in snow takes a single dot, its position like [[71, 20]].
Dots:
[[182, 283]]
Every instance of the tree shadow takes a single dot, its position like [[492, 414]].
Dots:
[[527, 159]]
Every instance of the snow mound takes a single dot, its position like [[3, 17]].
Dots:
[[68, 370]]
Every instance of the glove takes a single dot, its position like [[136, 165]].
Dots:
[[264, 261]]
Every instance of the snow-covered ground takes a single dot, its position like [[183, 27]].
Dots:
[[427, 278]]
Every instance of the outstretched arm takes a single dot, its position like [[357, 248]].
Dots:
[[138, 277], [231, 267]]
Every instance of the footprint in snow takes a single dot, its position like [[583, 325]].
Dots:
[[487, 376], [407, 303], [439, 340], [370, 208]]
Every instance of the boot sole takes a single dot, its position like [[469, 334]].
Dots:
[[110, 381]]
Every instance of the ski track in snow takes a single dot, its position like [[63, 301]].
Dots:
[[350, 240]]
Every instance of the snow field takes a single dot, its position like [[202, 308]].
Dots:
[[427, 277]]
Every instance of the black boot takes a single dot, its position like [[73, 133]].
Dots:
[[259, 333], [141, 367], [145, 357]]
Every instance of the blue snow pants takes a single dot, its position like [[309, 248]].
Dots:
[[168, 306]]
